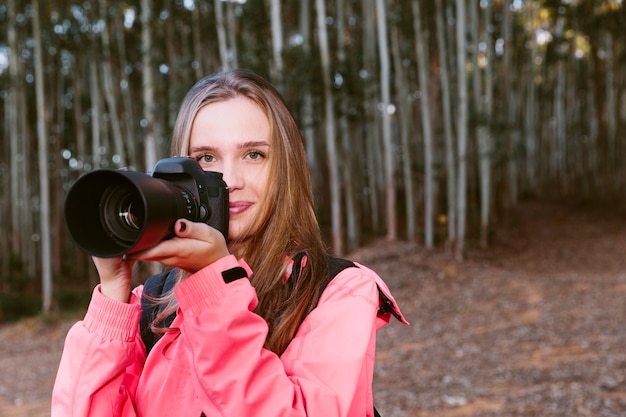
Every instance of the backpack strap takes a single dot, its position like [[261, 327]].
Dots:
[[336, 265], [155, 287]]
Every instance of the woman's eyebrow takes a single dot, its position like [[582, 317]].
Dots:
[[202, 148], [253, 144]]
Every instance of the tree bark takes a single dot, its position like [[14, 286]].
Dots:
[[422, 70], [277, 43], [461, 129], [109, 89], [385, 77], [404, 117], [126, 93], [44, 191], [344, 135], [221, 35], [330, 129], [450, 155]]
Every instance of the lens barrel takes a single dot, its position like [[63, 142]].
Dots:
[[109, 213]]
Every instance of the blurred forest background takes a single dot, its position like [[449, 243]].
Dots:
[[423, 120]]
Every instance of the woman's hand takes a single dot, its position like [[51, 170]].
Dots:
[[195, 246], [115, 277]]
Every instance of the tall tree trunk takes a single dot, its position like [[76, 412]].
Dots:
[[109, 89], [483, 96], [277, 43], [149, 112], [450, 159], [15, 144], [44, 192], [404, 117], [94, 89], [558, 152], [592, 117], [373, 147], [385, 77], [461, 129], [129, 118], [424, 80], [198, 60], [11, 129], [221, 35], [512, 130], [77, 109], [530, 129], [307, 100], [231, 34], [330, 129], [344, 134], [611, 106], [149, 116]]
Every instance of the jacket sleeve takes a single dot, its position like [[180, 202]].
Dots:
[[325, 371], [102, 359]]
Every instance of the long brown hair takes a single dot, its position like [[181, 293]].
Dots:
[[287, 226]]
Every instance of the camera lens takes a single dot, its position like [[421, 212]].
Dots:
[[129, 216], [123, 213], [109, 213]]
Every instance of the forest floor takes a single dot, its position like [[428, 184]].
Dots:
[[533, 326]]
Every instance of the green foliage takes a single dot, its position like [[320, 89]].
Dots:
[[15, 306]]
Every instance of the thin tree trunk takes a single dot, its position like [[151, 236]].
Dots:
[[129, 119], [77, 109], [611, 106], [422, 70], [26, 226], [329, 121], [462, 129], [277, 43], [12, 131], [149, 117], [198, 64], [511, 110], [231, 34], [483, 93], [530, 130], [109, 89], [592, 117], [44, 191], [94, 89], [385, 77], [221, 35], [56, 201], [444, 80], [307, 101], [15, 144], [404, 117], [373, 148], [147, 83], [344, 134]]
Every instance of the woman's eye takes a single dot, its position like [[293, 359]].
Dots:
[[205, 158], [256, 155]]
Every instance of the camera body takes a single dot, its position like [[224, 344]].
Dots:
[[208, 193], [109, 213]]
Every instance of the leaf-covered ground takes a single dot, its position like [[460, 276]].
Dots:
[[534, 326]]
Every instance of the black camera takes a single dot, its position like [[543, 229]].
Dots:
[[109, 212]]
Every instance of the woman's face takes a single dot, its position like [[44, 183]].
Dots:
[[233, 137]]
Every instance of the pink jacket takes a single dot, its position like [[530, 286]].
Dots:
[[215, 361]]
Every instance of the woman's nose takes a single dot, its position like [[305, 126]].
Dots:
[[232, 177]]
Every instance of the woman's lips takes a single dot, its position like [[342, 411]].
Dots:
[[237, 207]]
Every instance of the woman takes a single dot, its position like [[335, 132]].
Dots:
[[249, 337]]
